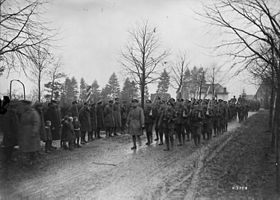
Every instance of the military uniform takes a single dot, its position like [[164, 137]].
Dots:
[[167, 123], [179, 122], [149, 113], [84, 118], [196, 124]]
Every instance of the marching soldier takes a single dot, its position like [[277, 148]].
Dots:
[[196, 123], [149, 114], [179, 121], [166, 123], [186, 122], [159, 107]]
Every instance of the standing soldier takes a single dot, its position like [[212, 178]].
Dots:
[[43, 134], [149, 113], [93, 122], [196, 123], [179, 121], [166, 123], [77, 130], [10, 128], [117, 116], [74, 111], [109, 119], [84, 118], [124, 113], [99, 119], [135, 122], [29, 133], [52, 114]]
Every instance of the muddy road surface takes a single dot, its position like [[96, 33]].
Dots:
[[108, 169]]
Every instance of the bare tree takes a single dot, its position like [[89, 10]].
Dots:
[[21, 28], [213, 76], [55, 74], [179, 71], [142, 56], [40, 59], [255, 30]]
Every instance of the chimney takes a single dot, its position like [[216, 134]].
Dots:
[[225, 90]]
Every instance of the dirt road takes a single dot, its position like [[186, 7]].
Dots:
[[108, 169]]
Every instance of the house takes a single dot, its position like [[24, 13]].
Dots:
[[220, 92], [263, 95]]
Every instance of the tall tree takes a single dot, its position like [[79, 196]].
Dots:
[[129, 91], [196, 81], [83, 88], [143, 56], [40, 59], [54, 87], [113, 86], [180, 70], [95, 91], [22, 28], [70, 91], [254, 38], [164, 81]]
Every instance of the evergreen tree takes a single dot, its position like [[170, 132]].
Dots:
[[113, 86], [56, 88], [83, 88], [129, 90], [105, 93], [70, 91], [95, 91], [164, 81]]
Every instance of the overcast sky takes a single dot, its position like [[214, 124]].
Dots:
[[93, 32]]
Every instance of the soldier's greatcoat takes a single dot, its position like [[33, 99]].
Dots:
[[108, 117], [135, 121], [53, 114], [29, 132], [117, 115], [84, 118]]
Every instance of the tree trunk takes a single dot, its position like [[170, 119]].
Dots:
[[271, 116], [39, 87], [276, 132]]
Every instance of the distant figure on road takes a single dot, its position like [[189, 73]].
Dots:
[[135, 122]]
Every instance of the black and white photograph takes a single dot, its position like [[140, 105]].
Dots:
[[139, 99]]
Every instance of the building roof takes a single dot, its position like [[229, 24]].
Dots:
[[219, 89]]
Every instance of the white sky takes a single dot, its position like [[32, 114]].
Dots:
[[93, 32]]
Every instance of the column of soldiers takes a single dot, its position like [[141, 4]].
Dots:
[[172, 121]]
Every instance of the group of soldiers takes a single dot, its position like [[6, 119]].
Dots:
[[25, 124]]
